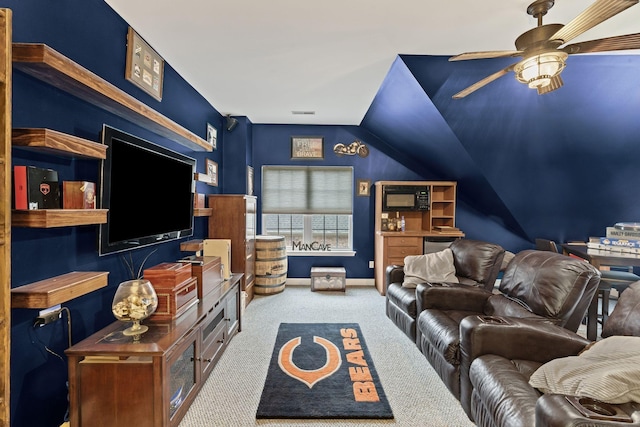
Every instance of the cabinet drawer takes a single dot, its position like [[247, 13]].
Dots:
[[404, 241], [401, 252], [213, 344]]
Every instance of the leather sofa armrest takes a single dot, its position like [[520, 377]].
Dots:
[[450, 296], [394, 274], [557, 410], [534, 339]]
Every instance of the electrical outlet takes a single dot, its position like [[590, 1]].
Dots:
[[371, 264], [47, 316]]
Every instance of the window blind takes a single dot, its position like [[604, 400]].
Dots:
[[307, 190]]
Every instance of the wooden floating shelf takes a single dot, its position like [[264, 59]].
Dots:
[[203, 177], [58, 143], [57, 290], [192, 245], [44, 63], [50, 218], [202, 212]]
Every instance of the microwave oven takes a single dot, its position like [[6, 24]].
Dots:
[[405, 198]]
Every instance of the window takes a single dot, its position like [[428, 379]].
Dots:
[[311, 206]]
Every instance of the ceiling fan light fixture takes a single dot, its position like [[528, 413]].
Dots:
[[538, 70]]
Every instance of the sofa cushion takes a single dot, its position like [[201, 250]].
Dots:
[[548, 283], [433, 267], [625, 318], [609, 371]]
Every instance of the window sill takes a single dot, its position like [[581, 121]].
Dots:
[[321, 253]]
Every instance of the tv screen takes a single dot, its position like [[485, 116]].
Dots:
[[148, 190]]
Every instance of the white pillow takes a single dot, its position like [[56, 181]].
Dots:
[[609, 371], [434, 267]]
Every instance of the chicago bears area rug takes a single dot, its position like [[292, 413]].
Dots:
[[322, 370]]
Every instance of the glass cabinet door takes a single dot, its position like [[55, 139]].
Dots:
[[183, 375]]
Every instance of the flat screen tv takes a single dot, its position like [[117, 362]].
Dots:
[[148, 190]]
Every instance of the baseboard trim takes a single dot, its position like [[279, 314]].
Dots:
[[304, 281]]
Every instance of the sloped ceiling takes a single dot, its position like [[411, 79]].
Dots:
[[555, 165]]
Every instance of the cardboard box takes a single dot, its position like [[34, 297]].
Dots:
[[35, 188], [78, 195], [220, 248]]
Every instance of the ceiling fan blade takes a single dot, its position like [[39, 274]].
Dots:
[[474, 87], [626, 42], [485, 55], [598, 12], [556, 83]]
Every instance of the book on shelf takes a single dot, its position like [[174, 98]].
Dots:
[[622, 234], [614, 244]]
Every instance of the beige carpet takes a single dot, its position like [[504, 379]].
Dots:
[[231, 395]]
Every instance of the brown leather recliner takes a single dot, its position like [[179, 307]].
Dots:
[[541, 286], [477, 264], [505, 353]]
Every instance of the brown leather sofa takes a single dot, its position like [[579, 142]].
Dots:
[[544, 287], [504, 354], [477, 264]]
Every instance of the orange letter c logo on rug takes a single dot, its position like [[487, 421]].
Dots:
[[309, 377]]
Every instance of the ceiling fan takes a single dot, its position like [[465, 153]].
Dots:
[[543, 58]]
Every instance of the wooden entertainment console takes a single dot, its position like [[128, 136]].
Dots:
[[114, 380], [437, 222]]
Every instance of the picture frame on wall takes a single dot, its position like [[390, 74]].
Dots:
[[144, 67], [212, 136], [212, 172], [307, 147], [363, 188]]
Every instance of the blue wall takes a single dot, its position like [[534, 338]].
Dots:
[[91, 34]]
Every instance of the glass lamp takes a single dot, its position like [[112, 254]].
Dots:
[[134, 301], [537, 71]]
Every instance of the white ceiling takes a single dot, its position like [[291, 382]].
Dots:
[[266, 58]]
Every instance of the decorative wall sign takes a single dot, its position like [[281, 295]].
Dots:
[[212, 136], [356, 147], [307, 147], [212, 172], [364, 187], [144, 68]]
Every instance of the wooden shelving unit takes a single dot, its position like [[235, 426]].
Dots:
[[58, 143], [48, 65], [438, 222], [57, 290]]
